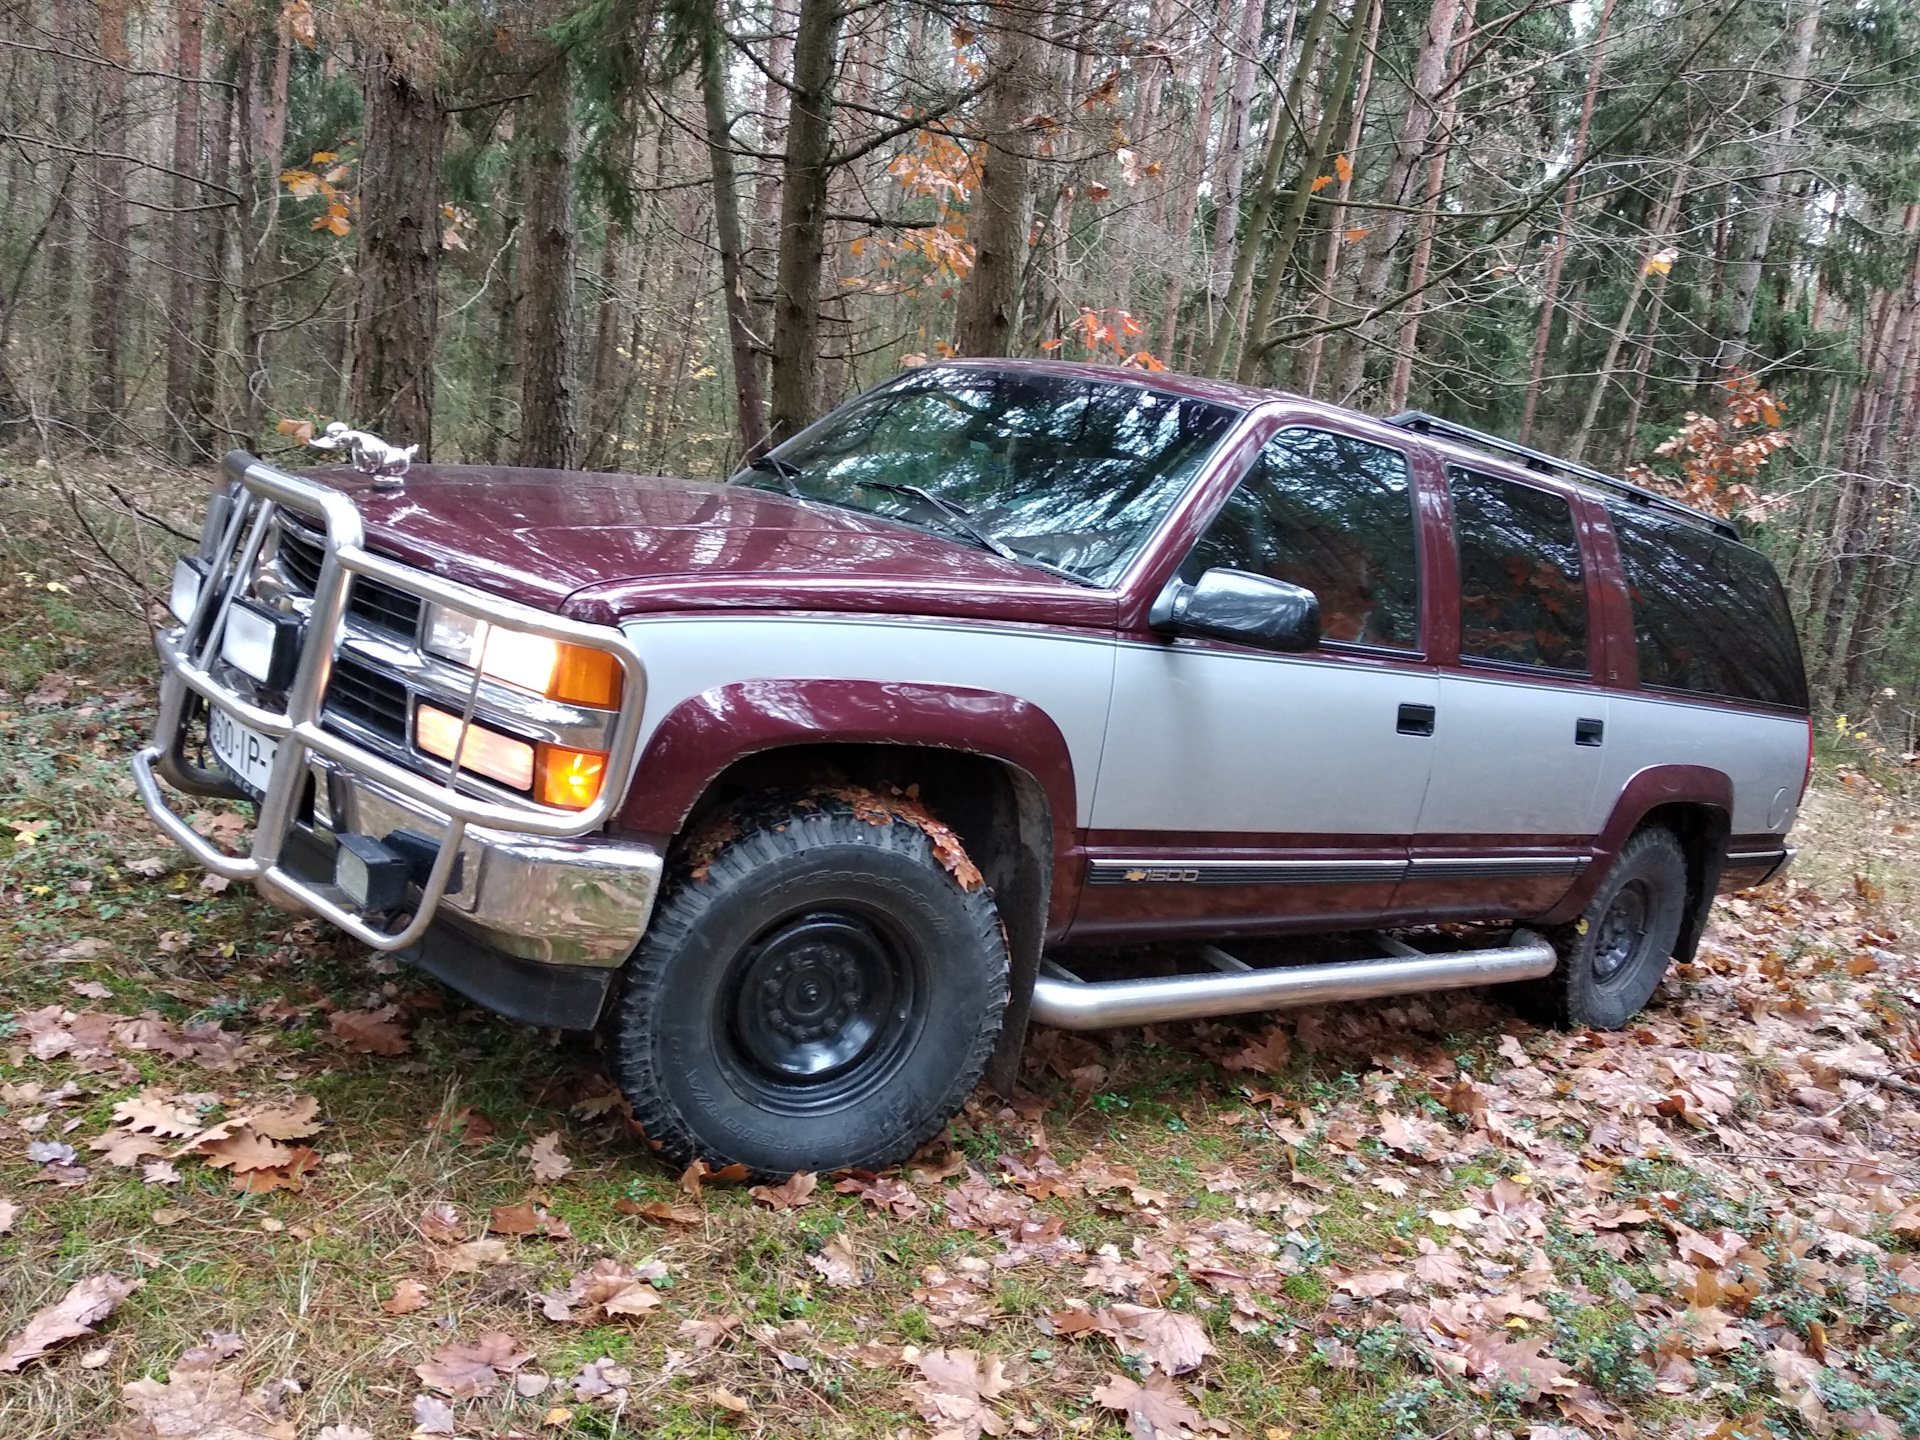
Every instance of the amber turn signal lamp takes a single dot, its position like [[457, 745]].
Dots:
[[486, 752], [585, 677], [569, 779]]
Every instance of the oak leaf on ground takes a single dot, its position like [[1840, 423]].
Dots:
[[86, 1303], [790, 1194], [201, 1403]]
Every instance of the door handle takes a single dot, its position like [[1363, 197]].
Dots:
[[1589, 732], [1416, 720]]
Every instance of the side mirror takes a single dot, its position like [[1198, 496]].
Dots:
[[1233, 605]]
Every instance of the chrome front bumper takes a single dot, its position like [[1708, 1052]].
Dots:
[[527, 880]]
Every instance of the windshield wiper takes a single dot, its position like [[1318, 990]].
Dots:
[[959, 516], [781, 470]]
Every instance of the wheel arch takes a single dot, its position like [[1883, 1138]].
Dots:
[[1696, 803], [995, 767]]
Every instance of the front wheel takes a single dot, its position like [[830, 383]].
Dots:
[[822, 993], [1614, 956]]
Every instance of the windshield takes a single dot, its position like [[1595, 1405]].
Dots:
[[1069, 473]]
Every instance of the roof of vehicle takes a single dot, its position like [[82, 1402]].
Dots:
[[1443, 433]]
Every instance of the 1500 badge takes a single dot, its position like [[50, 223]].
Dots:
[[1162, 872]]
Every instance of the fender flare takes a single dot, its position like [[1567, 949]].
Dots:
[[705, 733], [1646, 791]]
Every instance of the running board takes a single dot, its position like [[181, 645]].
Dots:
[[1064, 1000]]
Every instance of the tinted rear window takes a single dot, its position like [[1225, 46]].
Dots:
[[1522, 598], [1708, 614]]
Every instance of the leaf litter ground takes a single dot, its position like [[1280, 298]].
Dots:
[[256, 1183]]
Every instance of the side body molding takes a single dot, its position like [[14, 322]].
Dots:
[[1709, 793], [704, 734]]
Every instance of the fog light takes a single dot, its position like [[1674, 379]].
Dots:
[[261, 643], [373, 875], [483, 751], [189, 576]]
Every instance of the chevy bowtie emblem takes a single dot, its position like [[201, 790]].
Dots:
[[368, 453]]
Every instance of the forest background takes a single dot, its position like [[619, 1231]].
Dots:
[[1675, 238]]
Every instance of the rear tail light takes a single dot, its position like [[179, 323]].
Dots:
[[1806, 775]]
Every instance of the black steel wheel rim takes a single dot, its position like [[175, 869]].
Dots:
[[820, 1010], [1623, 929]]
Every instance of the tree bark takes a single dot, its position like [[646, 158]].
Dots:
[[1309, 376], [749, 404], [990, 294], [1429, 219], [112, 267], [1280, 256], [1232, 164], [549, 437], [1410, 145], [398, 274], [1186, 202], [803, 194], [187, 437], [1260, 212], [1735, 353]]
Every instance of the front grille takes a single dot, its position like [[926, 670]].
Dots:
[[371, 699], [373, 601]]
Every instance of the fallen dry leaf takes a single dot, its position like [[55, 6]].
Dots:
[[86, 1303], [837, 1264], [1171, 1339], [201, 1403], [955, 1391], [369, 1032], [549, 1164], [1154, 1409], [465, 1369], [9, 1212], [790, 1194], [409, 1295]]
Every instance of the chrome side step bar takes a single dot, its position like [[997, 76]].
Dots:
[[1069, 1003]]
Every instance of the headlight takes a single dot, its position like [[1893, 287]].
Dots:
[[532, 662]]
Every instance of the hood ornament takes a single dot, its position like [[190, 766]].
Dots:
[[369, 454]]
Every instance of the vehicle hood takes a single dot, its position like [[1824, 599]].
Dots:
[[605, 547]]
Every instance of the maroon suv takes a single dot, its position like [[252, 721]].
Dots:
[[806, 787]]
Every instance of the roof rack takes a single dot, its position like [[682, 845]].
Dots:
[[1420, 422]]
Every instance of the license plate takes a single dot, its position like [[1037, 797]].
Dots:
[[243, 752]]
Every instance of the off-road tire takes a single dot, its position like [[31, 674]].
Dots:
[[1614, 956], [779, 951]]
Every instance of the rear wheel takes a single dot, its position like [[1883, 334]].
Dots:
[[822, 993], [1614, 956]]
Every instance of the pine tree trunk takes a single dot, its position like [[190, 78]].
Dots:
[[803, 195], [749, 405], [1308, 379], [398, 274], [549, 436], [990, 294], [187, 438], [112, 266], [1226, 335], [219, 229], [1775, 157], [1254, 353], [1557, 256], [1186, 201], [1410, 145], [1232, 164]]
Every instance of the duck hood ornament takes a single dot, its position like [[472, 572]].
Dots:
[[386, 462]]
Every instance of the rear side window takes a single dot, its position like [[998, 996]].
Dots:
[[1708, 614], [1523, 595], [1334, 514]]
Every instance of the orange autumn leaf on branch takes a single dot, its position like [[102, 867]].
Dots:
[[1716, 456]]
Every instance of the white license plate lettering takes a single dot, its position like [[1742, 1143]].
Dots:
[[243, 750]]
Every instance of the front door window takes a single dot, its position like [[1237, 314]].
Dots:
[[1335, 515]]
